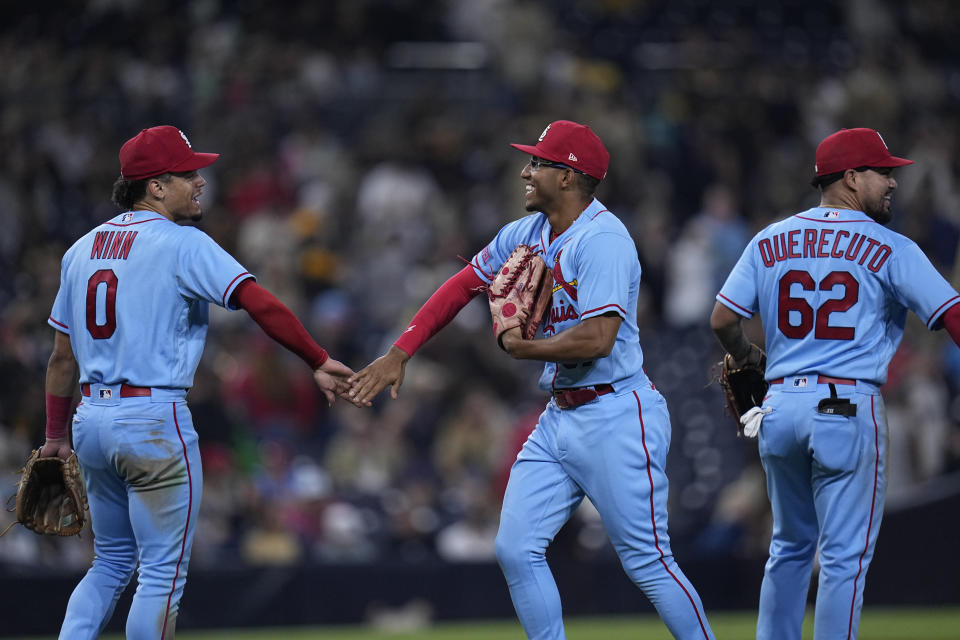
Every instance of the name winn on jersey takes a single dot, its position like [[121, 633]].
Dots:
[[112, 244]]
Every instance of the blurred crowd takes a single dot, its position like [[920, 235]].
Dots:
[[365, 154]]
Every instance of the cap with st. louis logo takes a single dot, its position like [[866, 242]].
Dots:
[[572, 144]]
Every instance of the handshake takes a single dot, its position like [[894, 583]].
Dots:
[[519, 296], [359, 388]]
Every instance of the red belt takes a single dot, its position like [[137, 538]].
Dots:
[[126, 390], [822, 380], [572, 398]]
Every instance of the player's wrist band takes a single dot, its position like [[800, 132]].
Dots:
[[58, 413]]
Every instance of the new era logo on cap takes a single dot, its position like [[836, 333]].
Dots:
[[572, 144], [852, 149]]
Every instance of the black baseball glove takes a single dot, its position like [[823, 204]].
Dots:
[[744, 387]]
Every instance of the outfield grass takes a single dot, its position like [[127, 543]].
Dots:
[[876, 624]]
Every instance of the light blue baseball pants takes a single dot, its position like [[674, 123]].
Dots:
[[612, 450], [142, 470], [826, 483]]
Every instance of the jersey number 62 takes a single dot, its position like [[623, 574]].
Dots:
[[823, 330]]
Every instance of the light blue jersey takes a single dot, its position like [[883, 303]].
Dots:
[[833, 287], [116, 287], [612, 449], [595, 271]]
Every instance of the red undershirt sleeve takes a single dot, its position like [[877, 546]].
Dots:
[[452, 296], [951, 322], [278, 322], [58, 415]]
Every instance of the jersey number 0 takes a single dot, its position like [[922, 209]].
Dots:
[[105, 330]]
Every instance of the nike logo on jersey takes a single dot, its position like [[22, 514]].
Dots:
[[410, 328]]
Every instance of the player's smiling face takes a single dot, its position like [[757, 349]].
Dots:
[[875, 196], [182, 199], [541, 185]]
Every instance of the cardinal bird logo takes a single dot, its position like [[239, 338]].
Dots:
[[569, 287]]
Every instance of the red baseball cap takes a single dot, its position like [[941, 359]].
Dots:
[[853, 148], [160, 150], [572, 144]]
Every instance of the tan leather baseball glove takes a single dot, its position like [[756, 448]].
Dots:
[[520, 293], [51, 497]]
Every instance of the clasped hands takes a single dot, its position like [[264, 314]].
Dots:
[[359, 388], [362, 387]]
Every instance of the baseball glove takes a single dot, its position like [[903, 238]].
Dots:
[[744, 387], [51, 498], [520, 293]]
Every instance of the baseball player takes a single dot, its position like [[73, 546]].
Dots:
[[832, 286], [131, 319], [605, 432]]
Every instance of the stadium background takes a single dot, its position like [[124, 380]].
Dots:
[[364, 151]]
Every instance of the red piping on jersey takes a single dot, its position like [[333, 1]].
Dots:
[[873, 504], [129, 224], [186, 528], [599, 212], [611, 305], [951, 322], [830, 221], [550, 236], [227, 290], [59, 324], [933, 315], [744, 309], [653, 518], [552, 240]]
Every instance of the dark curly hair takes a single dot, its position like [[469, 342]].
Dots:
[[127, 193]]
